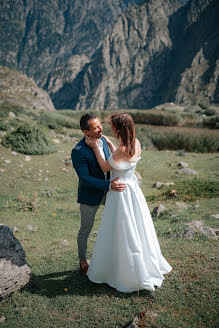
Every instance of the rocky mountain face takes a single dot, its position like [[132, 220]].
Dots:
[[21, 90], [195, 56], [107, 54], [155, 53], [42, 38]]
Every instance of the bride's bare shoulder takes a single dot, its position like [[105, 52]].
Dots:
[[137, 147]]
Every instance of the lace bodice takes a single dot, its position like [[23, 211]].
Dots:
[[124, 170]]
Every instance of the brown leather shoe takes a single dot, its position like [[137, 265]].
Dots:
[[84, 267]]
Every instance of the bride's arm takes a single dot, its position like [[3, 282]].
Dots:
[[105, 166], [110, 144]]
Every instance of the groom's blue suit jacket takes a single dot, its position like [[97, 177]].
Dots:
[[92, 184]]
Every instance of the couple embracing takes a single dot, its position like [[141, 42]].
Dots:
[[126, 254]]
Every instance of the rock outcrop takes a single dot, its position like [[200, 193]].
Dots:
[[113, 54], [194, 228], [130, 68], [155, 53], [14, 270], [159, 211], [38, 37], [21, 90]]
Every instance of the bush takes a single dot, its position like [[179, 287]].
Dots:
[[211, 122], [27, 139], [190, 190], [203, 105], [190, 143], [210, 112], [4, 126], [155, 118]]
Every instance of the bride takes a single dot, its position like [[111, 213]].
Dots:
[[126, 254]]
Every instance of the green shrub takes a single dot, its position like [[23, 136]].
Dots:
[[211, 122], [190, 190], [210, 112], [4, 126], [190, 143], [28, 139], [155, 118], [203, 105]]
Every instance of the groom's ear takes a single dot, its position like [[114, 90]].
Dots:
[[86, 132]]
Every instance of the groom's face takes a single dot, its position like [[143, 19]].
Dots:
[[95, 129]]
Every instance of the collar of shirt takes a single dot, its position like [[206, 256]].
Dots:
[[100, 143]]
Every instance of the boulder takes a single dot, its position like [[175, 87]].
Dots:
[[195, 227], [134, 323], [2, 319], [186, 171], [31, 228], [56, 141], [14, 270], [68, 163], [183, 164], [159, 211], [27, 158], [215, 216], [158, 185], [182, 205], [11, 115]]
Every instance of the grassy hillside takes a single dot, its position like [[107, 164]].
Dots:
[[42, 192]]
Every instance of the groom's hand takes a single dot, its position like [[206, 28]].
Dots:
[[117, 186]]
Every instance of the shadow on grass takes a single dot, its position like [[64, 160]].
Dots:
[[73, 283]]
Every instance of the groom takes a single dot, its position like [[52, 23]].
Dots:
[[93, 183]]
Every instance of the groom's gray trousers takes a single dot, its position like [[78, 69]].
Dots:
[[88, 213]]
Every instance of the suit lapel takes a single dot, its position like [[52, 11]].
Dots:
[[106, 153], [88, 149], [105, 149]]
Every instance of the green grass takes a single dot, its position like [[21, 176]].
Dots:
[[58, 119], [42, 194], [58, 295], [7, 107]]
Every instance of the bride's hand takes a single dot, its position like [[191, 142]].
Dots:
[[92, 143]]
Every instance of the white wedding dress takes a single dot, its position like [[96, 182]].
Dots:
[[127, 254]]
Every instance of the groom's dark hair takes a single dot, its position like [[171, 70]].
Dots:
[[84, 121]]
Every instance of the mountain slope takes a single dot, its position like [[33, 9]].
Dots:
[[195, 56], [21, 90], [156, 53], [39, 36], [132, 63]]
